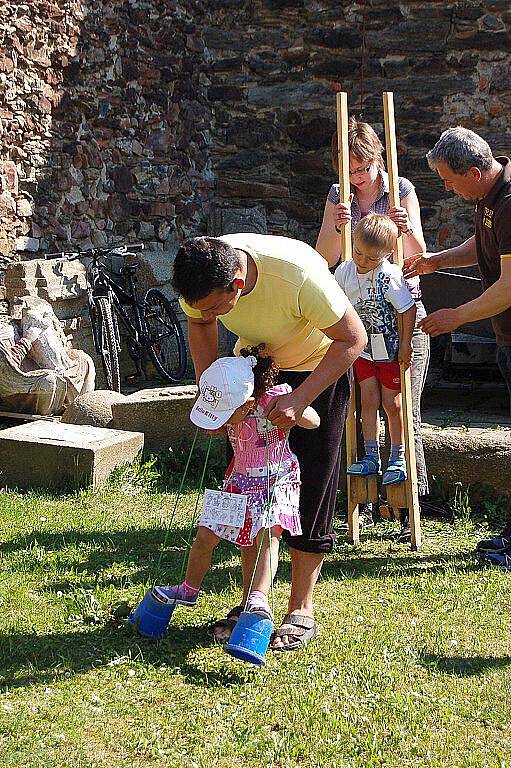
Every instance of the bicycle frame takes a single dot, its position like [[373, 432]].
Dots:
[[100, 284], [114, 304]]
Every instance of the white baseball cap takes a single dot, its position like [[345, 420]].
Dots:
[[224, 386]]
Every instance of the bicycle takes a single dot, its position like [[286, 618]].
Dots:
[[151, 325]]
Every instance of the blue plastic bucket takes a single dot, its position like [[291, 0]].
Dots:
[[250, 638], [152, 616]]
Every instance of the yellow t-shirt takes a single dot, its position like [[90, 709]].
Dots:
[[294, 296]]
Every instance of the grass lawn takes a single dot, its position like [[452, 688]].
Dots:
[[412, 666]]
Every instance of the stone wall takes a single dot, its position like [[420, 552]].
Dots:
[[104, 123], [272, 95], [150, 120], [125, 119]]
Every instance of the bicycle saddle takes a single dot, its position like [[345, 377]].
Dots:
[[130, 269]]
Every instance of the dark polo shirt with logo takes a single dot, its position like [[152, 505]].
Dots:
[[493, 241]]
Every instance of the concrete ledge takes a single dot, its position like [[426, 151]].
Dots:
[[162, 414], [53, 455], [469, 455]]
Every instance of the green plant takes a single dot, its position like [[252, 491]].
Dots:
[[476, 505], [139, 475], [170, 466], [461, 507]]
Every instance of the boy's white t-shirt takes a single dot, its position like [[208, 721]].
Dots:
[[377, 296]]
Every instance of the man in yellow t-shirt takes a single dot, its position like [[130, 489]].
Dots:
[[278, 291]]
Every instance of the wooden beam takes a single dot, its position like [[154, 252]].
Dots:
[[27, 416], [364, 489], [343, 156]]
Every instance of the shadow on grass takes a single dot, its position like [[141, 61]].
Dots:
[[353, 566], [96, 552], [31, 659], [138, 551], [460, 666]]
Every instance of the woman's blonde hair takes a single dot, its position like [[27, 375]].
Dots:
[[377, 232], [363, 143]]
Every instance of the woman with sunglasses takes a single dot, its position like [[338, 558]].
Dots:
[[370, 194]]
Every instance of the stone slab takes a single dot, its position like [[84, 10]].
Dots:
[[469, 454], [55, 455], [162, 414]]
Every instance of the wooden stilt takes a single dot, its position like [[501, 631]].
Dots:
[[402, 495], [356, 491], [363, 490]]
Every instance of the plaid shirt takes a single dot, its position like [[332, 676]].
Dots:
[[380, 205]]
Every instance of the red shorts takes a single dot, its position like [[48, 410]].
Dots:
[[387, 373]]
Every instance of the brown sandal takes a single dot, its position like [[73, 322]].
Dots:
[[228, 623], [295, 625]]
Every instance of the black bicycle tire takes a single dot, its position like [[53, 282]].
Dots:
[[175, 374], [107, 336]]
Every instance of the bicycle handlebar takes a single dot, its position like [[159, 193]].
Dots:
[[116, 250]]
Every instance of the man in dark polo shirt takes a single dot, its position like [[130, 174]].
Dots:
[[465, 163]]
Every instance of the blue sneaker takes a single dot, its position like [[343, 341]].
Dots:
[[497, 544], [500, 560], [395, 472], [367, 465], [176, 594]]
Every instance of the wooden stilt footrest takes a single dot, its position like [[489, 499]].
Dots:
[[396, 496], [364, 490]]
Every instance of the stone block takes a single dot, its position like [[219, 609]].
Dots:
[[22, 269], [289, 95], [9, 172], [155, 267], [470, 455], [338, 37], [51, 280], [251, 189], [52, 455], [27, 243], [250, 132], [225, 93], [93, 408], [162, 414], [225, 221], [314, 133], [25, 207]]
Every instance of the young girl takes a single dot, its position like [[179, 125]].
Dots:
[[234, 391], [377, 290]]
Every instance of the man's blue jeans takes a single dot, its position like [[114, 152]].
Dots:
[[420, 364]]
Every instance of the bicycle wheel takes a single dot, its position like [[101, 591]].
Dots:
[[166, 347], [108, 347]]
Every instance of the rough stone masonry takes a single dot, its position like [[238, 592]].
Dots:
[[123, 119]]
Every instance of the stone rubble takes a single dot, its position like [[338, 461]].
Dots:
[[104, 123]]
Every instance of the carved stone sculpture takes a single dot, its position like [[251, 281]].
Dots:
[[40, 373]]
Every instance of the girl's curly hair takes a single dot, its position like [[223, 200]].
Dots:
[[265, 371]]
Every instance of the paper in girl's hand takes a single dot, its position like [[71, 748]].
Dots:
[[223, 508]]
